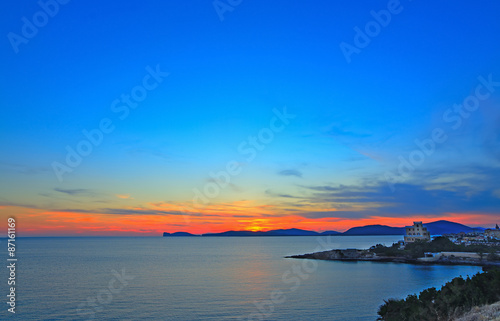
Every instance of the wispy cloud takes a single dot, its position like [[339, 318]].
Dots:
[[4, 203], [138, 211], [76, 191], [410, 199], [24, 169], [290, 172], [273, 194], [124, 196], [141, 148]]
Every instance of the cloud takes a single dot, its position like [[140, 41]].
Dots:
[[140, 211], [290, 172], [334, 214], [24, 169], [273, 194], [140, 148], [124, 196], [74, 210], [121, 211], [75, 192], [357, 138], [409, 199], [12, 204]]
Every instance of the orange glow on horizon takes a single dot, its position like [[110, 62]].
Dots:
[[219, 218]]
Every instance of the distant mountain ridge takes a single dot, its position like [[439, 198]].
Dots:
[[375, 230], [178, 234], [435, 228], [281, 232], [446, 227]]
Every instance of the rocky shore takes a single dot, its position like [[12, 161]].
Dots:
[[366, 255]]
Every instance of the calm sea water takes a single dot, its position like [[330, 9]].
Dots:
[[217, 278]]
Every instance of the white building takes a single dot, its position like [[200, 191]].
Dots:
[[417, 232]]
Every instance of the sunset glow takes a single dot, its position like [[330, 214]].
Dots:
[[189, 123], [58, 223]]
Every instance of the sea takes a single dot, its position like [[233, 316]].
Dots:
[[207, 278]]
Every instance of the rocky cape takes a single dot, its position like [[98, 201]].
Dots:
[[354, 255]]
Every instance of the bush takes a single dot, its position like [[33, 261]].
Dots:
[[454, 298]]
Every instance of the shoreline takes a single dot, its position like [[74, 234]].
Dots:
[[355, 255]]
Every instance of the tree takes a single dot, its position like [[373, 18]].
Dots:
[[456, 297]]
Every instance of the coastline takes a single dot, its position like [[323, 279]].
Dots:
[[356, 255]]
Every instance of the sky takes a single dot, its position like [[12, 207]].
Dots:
[[138, 118]]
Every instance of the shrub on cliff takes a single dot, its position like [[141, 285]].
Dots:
[[455, 298]]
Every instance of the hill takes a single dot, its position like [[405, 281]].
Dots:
[[375, 230], [280, 232], [293, 232], [330, 233], [178, 234], [435, 228], [446, 227]]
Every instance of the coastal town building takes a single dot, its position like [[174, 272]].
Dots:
[[494, 233], [417, 232], [488, 237]]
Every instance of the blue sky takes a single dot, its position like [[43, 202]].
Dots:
[[353, 120]]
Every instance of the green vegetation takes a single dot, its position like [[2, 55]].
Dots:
[[439, 244], [454, 299]]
